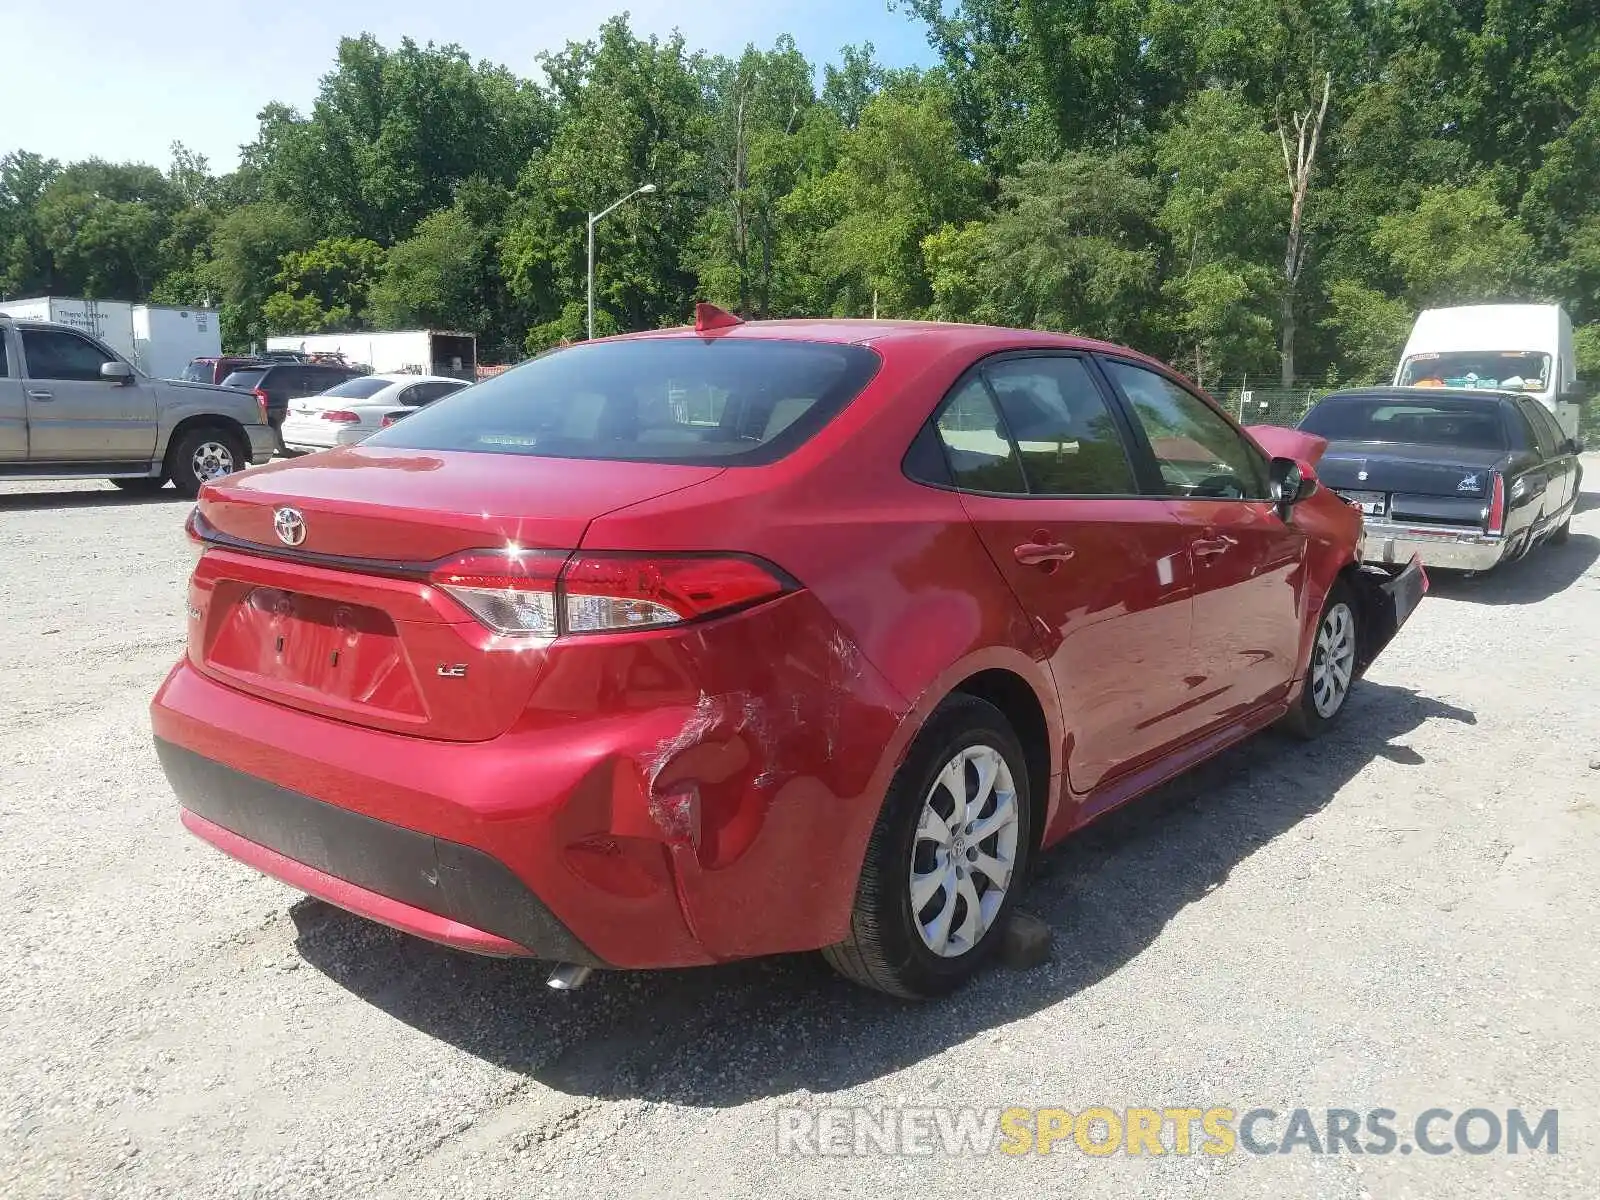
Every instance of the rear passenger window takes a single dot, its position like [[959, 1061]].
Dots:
[[1534, 430], [427, 393], [981, 456], [1547, 426], [1068, 441], [5, 371]]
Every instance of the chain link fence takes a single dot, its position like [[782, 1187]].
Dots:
[[1267, 405]]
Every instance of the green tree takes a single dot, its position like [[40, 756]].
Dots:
[[247, 251], [26, 266], [757, 103], [1074, 247], [901, 176], [438, 278], [629, 111], [1456, 246], [1225, 211], [392, 133], [324, 287]]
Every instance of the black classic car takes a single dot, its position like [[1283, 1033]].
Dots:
[[1464, 480]]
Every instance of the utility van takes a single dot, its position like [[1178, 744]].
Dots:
[[1523, 348]]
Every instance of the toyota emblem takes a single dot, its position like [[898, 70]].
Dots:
[[290, 526]]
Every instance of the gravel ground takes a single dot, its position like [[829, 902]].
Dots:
[[1398, 916]]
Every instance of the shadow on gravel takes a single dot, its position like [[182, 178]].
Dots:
[[111, 498], [720, 1036], [1545, 571]]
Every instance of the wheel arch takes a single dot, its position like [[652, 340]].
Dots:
[[1016, 698], [206, 421]]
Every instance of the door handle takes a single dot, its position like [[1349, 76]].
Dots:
[[1040, 553], [32, 395], [1210, 547]]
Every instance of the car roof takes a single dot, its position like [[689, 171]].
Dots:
[[403, 377], [1488, 395], [883, 334]]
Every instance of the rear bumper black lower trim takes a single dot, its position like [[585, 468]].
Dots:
[[445, 878]]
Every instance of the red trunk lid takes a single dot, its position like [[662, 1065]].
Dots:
[[343, 623]]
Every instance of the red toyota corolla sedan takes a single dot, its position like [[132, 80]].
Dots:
[[751, 638]]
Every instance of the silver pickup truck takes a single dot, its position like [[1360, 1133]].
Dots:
[[72, 408]]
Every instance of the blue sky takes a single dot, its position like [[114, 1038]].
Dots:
[[123, 79]]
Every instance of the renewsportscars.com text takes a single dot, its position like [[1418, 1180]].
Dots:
[[1100, 1131]]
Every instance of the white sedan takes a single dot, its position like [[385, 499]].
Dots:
[[357, 408]]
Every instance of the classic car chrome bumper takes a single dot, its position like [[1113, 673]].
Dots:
[[1387, 543]]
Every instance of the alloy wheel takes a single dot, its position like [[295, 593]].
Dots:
[[964, 852], [211, 460], [1334, 660]]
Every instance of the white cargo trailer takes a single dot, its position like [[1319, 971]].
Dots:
[[165, 340], [109, 320], [157, 339], [413, 351]]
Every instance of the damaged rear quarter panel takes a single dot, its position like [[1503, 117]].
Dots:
[[776, 722]]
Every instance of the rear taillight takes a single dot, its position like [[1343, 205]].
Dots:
[[389, 419], [196, 543], [342, 416], [542, 594], [617, 591], [512, 593], [261, 403], [1495, 515]]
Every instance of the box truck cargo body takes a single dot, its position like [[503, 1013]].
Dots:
[[158, 340], [109, 320], [165, 340], [412, 351], [1506, 347]]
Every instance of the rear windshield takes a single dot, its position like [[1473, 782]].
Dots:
[[247, 380], [1465, 424], [662, 400], [200, 371], [359, 389]]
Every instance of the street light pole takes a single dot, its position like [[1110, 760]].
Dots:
[[595, 219]]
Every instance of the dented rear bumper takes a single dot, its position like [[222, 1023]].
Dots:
[[663, 801]]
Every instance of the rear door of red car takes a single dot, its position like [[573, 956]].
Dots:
[[1042, 459], [1247, 561]]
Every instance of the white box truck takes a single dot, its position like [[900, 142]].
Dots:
[[157, 339], [414, 351], [109, 320], [1503, 347]]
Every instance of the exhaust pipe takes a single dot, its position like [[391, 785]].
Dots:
[[567, 977]]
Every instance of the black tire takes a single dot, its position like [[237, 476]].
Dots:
[[141, 487], [181, 457], [1560, 536], [1306, 720], [885, 949]]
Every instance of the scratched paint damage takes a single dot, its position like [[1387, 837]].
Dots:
[[772, 726]]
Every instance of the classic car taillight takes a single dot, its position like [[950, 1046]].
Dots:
[[1495, 517]]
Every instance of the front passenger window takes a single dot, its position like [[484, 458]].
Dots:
[[1201, 456], [58, 354]]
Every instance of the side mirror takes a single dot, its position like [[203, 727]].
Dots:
[[116, 372], [1573, 445], [1290, 481]]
